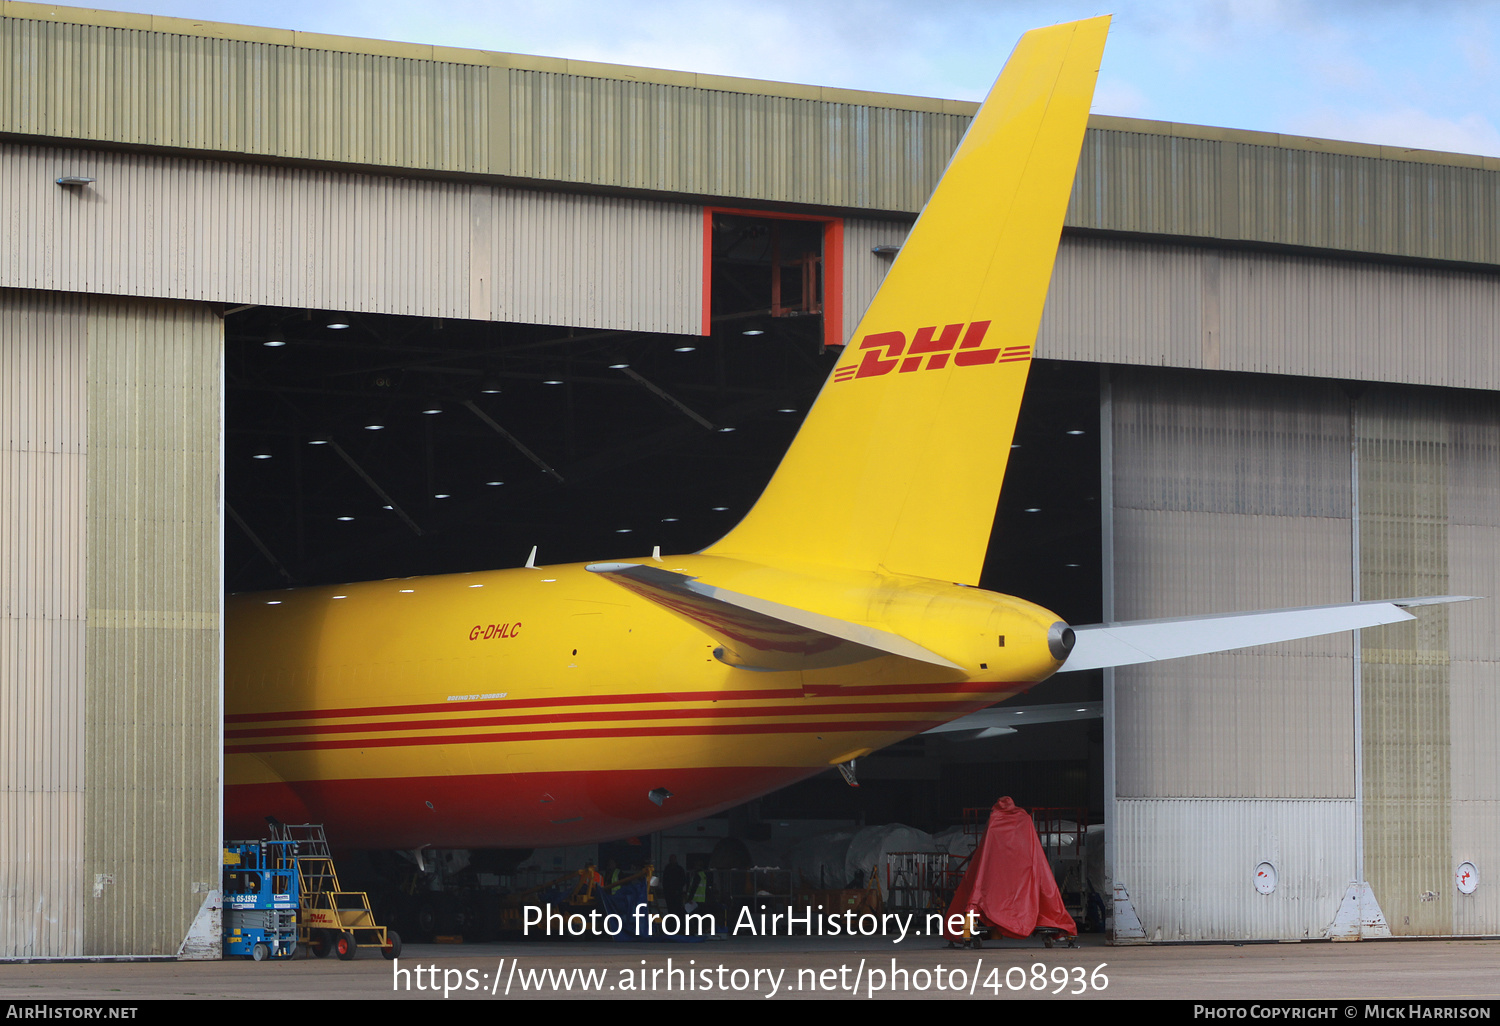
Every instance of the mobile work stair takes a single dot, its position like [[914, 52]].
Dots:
[[331, 919]]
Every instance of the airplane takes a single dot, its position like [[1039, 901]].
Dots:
[[552, 705]]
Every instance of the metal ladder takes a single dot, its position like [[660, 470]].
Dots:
[[332, 919]]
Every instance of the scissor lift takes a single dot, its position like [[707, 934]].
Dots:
[[260, 900], [332, 920]]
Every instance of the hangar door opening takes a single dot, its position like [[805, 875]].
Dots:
[[374, 446]]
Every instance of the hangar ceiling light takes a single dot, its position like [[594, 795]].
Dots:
[[382, 370]]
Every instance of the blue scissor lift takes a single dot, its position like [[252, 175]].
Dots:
[[260, 899]]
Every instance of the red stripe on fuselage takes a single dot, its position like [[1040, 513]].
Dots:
[[846, 726], [711, 712], [956, 688], [511, 810]]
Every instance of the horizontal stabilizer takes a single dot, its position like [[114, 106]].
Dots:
[[998, 720], [755, 634], [1146, 641]]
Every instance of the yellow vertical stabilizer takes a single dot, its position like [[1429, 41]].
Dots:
[[899, 464]]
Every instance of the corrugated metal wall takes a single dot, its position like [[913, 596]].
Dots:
[[43, 446], [1236, 492], [597, 261], [124, 85], [110, 682], [164, 89], [1473, 470], [1143, 182], [1230, 495], [710, 142], [863, 270], [1338, 201], [154, 588], [177, 228], [254, 92], [1189, 865], [1132, 302]]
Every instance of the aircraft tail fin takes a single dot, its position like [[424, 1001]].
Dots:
[[899, 463]]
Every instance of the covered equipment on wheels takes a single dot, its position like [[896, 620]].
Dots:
[[1009, 886]]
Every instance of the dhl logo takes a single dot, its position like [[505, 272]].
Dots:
[[887, 350]]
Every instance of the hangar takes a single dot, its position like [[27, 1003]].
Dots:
[[1266, 378]]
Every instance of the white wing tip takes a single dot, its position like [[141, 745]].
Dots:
[[1432, 600]]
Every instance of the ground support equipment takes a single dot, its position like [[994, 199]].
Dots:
[[332, 920], [260, 900]]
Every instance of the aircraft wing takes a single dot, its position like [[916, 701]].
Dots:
[[756, 634], [1145, 641], [998, 720]]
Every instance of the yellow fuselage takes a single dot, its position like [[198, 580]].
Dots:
[[517, 708]]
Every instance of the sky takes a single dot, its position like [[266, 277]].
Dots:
[[1419, 73]]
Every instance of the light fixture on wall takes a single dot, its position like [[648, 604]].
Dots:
[[74, 180]]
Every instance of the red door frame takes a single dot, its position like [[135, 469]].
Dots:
[[833, 266]]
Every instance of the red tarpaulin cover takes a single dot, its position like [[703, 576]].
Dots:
[[1009, 883]]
